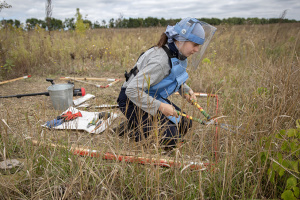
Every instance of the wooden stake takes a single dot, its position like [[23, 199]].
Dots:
[[8, 81]]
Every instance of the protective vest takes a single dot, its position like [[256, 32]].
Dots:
[[171, 83]]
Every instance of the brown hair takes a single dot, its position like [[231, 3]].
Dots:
[[163, 40]]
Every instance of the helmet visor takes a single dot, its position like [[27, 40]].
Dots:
[[196, 58], [196, 33]]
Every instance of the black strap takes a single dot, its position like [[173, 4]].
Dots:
[[168, 52], [135, 70], [170, 55]]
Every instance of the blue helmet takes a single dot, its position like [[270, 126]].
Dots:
[[191, 29]]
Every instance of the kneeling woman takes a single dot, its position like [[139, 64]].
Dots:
[[158, 73]]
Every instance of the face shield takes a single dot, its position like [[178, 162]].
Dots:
[[191, 38]]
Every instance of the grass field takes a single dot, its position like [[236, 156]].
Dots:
[[253, 69]]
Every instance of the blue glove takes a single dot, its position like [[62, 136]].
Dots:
[[53, 123]]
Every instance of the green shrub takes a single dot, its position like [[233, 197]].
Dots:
[[282, 158]]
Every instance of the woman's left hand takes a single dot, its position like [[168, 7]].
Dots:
[[191, 97]]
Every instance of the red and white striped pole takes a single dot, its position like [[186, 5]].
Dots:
[[130, 159], [140, 160], [8, 81], [89, 79], [99, 79], [201, 94]]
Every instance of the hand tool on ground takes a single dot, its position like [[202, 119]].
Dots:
[[8, 81], [104, 116], [76, 92], [93, 122], [68, 116], [54, 123]]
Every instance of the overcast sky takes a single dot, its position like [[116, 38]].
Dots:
[[98, 10]]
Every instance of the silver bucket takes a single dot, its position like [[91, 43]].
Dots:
[[61, 96]]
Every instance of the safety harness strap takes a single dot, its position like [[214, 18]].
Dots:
[[135, 70]]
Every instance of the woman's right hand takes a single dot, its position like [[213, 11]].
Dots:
[[167, 110]]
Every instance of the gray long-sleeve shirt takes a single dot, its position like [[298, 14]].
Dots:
[[153, 67]]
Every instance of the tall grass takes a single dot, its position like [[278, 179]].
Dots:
[[254, 69], [67, 52]]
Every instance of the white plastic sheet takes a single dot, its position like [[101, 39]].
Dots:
[[81, 123], [80, 100]]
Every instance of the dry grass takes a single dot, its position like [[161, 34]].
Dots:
[[254, 70]]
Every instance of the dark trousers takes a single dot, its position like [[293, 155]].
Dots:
[[143, 122]]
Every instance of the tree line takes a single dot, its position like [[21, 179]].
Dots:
[[70, 23]]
